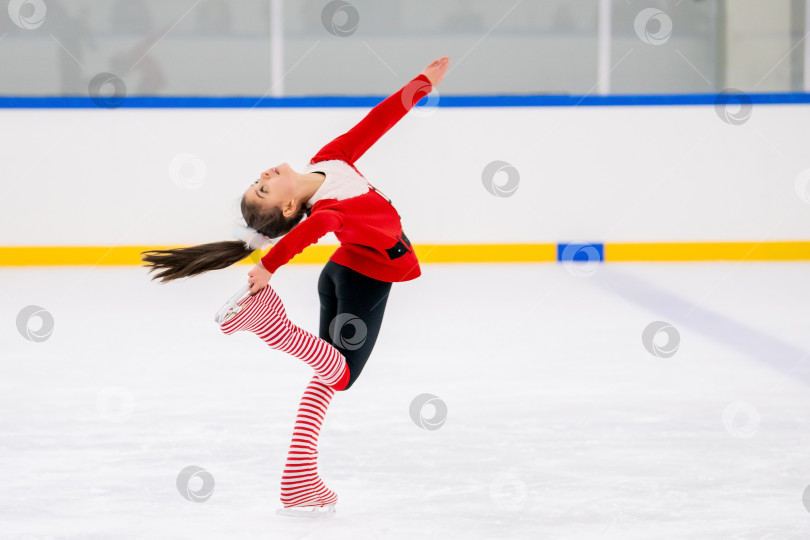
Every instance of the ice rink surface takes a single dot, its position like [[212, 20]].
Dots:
[[560, 423]]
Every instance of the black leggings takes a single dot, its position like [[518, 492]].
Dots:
[[352, 308]]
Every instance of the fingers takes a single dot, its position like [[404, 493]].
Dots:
[[256, 279], [440, 61], [255, 286]]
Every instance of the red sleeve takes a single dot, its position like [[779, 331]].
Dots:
[[354, 143], [302, 235]]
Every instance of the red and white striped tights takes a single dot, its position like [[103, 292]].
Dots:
[[264, 315]]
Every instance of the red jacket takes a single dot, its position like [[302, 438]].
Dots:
[[371, 238]]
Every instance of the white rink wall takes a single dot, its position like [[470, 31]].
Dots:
[[605, 174]]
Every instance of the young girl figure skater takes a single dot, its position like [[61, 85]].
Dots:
[[353, 286]]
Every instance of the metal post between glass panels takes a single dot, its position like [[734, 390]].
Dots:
[[807, 46], [604, 40], [276, 48]]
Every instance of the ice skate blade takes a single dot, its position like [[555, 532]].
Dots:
[[231, 309], [315, 512], [228, 315]]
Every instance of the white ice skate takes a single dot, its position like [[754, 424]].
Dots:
[[326, 510], [230, 309]]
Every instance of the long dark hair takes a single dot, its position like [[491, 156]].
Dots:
[[194, 260]]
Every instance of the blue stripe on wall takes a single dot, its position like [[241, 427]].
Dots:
[[580, 252], [240, 102]]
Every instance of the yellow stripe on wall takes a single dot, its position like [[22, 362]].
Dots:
[[478, 253], [442, 253], [709, 251], [119, 255]]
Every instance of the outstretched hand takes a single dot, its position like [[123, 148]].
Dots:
[[258, 278], [436, 70]]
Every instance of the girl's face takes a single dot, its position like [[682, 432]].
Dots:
[[275, 187]]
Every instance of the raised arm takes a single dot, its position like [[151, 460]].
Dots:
[[354, 143]]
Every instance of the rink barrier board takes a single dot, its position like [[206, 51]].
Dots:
[[449, 253]]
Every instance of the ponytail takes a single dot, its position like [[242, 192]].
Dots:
[[191, 261]]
